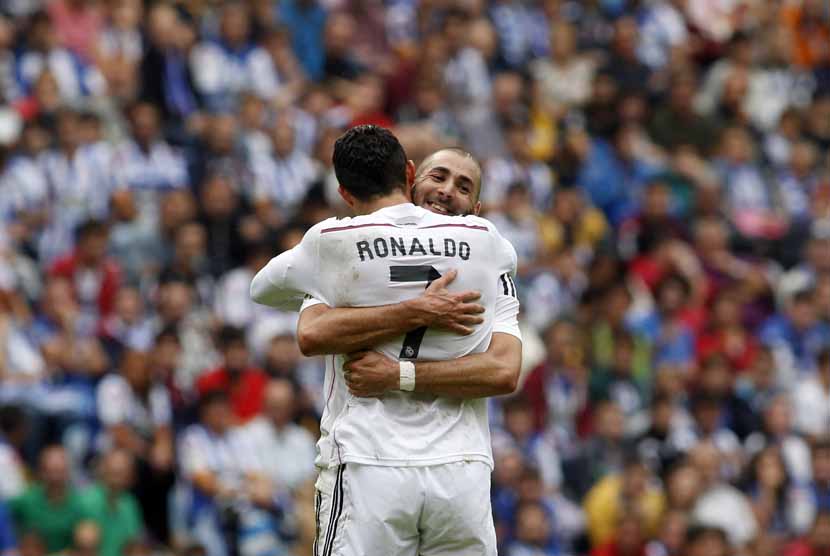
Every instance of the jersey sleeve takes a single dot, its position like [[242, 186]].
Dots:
[[310, 301], [284, 282], [506, 320]]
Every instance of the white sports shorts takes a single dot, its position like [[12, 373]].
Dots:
[[440, 510]]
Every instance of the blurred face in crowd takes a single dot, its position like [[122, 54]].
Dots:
[[58, 298], [509, 468], [54, 468], [145, 123], [716, 378], [283, 139], [671, 296], [626, 36], [221, 134], [448, 182], [127, 14], [710, 236], [769, 469], [818, 253], [708, 544], [175, 301], [87, 539], [630, 535], [218, 198], [177, 207], [561, 342], [567, 205], [117, 471], [533, 526], [165, 356], [673, 530], [191, 243], [737, 146], [235, 24], [821, 465], [339, 33], [563, 41], [707, 459], [610, 421], [128, 305], [518, 420], [763, 370], [280, 402], [69, 131], [802, 312], [283, 355], [136, 370], [778, 416], [657, 202], [217, 416], [236, 356], [92, 248], [684, 486]]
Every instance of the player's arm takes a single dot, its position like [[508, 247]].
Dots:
[[492, 373], [284, 282], [326, 330]]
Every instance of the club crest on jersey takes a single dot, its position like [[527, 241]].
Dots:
[[382, 247]]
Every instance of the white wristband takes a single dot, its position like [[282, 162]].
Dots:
[[407, 383]]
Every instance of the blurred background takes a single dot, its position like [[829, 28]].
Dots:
[[661, 167]]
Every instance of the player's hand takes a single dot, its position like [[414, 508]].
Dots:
[[370, 374], [441, 308]]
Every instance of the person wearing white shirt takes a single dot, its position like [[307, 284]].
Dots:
[[284, 177], [147, 164], [284, 451], [79, 184], [230, 65], [811, 400]]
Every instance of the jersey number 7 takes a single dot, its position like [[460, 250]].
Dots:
[[412, 340]]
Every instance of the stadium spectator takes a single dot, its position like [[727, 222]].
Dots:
[[50, 508], [244, 382], [109, 504], [661, 168]]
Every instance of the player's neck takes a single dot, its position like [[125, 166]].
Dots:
[[391, 200]]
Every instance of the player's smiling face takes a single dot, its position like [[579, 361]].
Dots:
[[448, 183]]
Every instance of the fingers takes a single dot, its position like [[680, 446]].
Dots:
[[443, 281], [460, 329], [356, 355], [469, 296], [470, 309], [469, 320]]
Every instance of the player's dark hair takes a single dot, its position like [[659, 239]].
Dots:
[[369, 162]]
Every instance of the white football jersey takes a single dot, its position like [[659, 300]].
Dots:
[[387, 257]]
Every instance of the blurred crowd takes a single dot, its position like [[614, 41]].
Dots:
[[661, 167]]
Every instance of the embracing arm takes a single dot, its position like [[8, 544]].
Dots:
[[326, 330], [478, 375], [288, 277]]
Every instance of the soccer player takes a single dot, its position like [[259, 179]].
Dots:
[[402, 473]]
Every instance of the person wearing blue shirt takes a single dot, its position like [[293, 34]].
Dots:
[[796, 333], [307, 21]]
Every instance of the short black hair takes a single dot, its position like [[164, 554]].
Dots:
[[229, 335], [90, 228], [212, 397], [369, 162]]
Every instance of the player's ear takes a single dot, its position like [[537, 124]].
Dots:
[[477, 208], [347, 197], [410, 174]]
